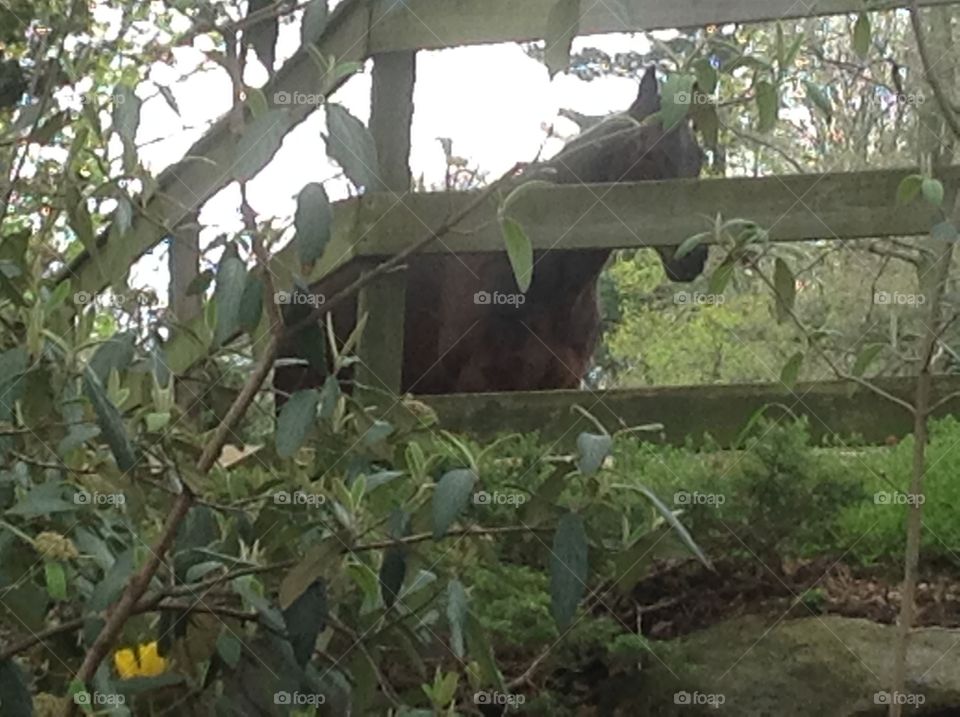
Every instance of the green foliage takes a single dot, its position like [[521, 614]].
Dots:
[[351, 145], [563, 23], [314, 221]]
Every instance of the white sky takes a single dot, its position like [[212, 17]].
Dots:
[[493, 101]]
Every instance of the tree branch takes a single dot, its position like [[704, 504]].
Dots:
[[946, 107]]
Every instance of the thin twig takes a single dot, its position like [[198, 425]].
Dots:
[[842, 375], [946, 107]]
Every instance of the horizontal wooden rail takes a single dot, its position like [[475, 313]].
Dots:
[[359, 29], [793, 208], [435, 24], [835, 409], [799, 207]]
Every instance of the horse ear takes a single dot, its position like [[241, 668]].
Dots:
[[648, 99]]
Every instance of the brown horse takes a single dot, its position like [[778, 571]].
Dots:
[[467, 328]]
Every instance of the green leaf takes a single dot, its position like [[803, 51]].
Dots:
[[524, 188], [13, 364], [862, 35], [450, 497], [631, 564], [259, 141], [79, 219], [865, 358], [791, 370], [721, 277], [322, 559], [200, 283], [707, 122], [313, 220], [689, 244], [228, 293], [932, 190], [768, 106], [329, 397], [677, 99], [251, 304], [200, 570], [563, 24], [909, 188], [393, 569], [56, 579], [229, 647], [457, 615], [169, 98], [351, 145], [568, 569], [256, 101], [707, 77], [15, 697], [305, 618], [126, 120], [108, 589], [378, 431], [110, 422], [43, 499], [116, 353], [482, 652], [793, 51], [519, 252], [671, 519], [786, 288], [197, 532], [944, 231], [592, 451], [781, 46], [819, 98], [295, 421], [314, 22], [375, 480]]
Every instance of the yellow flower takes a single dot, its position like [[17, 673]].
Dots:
[[141, 661]]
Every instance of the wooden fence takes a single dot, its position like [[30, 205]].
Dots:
[[795, 208]]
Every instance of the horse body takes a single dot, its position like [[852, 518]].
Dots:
[[456, 342]]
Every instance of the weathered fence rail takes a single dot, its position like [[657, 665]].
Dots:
[[792, 208], [800, 207], [834, 408], [436, 24]]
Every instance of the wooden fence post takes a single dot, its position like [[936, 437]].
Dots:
[[381, 346]]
